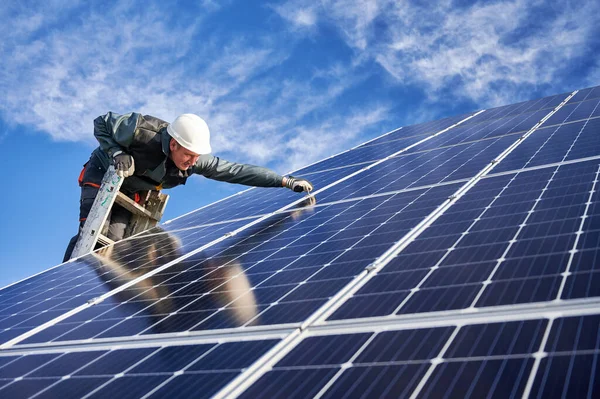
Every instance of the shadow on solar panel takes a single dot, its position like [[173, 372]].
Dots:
[[215, 288]]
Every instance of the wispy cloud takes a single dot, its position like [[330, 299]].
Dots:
[[123, 58], [333, 135], [69, 62], [300, 14], [489, 52]]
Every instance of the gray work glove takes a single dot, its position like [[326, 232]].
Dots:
[[124, 165], [298, 184]]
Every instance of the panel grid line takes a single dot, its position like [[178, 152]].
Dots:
[[492, 314], [452, 247], [342, 369], [124, 371], [238, 385], [538, 356], [579, 232], [434, 362], [172, 377]]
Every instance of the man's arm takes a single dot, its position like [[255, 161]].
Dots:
[[115, 132], [219, 169]]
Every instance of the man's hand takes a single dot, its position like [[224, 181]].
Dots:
[[298, 184], [124, 165]]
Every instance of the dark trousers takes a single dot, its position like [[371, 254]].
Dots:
[[118, 218]]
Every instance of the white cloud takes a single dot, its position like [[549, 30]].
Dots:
[[334, 135], [301, 14], [125, 58], [262, 107], [489, 52]]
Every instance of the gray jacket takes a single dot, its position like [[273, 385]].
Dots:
[[146, 139]]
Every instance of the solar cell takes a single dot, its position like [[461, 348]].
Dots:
[[518, 108]]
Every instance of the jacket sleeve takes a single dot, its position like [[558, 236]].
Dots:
[[219, 169], [115, 132]]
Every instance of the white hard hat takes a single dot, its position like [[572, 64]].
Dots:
[[191, 132]]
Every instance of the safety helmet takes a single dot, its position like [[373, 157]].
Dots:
[[191, 132]]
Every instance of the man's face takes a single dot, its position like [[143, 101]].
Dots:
[[181, 156]]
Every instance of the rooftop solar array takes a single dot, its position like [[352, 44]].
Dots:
[[454, 258]]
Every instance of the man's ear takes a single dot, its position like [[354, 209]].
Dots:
[[173, 144]]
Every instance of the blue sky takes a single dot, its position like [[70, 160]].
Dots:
[[281, 84]]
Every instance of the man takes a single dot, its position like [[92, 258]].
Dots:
[[152, 154]]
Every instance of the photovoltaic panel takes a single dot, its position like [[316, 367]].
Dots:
[[383, 146], [519, 108], [587, 94], [513, 124], [254, 202], [361, 156], [33, 302], [421, 169], [494, 123], [197, 370], [509, 240], [559, 143], [576, 112], [471, 361], [285, 270], [430, 269], [421, 130]]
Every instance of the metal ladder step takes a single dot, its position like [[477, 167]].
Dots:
[[104, 240], [134, 207]]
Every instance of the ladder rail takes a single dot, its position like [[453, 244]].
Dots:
[[107, 194]]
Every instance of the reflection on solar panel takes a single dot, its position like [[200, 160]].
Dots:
[[454, 258]]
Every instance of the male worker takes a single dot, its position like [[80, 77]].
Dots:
[[152, 154]]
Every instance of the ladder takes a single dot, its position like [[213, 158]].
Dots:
[[143, 217]]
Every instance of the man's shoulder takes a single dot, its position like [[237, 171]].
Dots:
[[150, 128], [153, 120]]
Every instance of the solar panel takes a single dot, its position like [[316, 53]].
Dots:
[[451, 258]]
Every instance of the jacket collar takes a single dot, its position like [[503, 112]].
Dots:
[[166, 139]]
